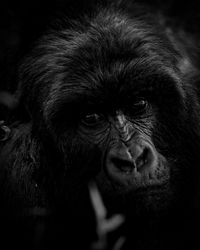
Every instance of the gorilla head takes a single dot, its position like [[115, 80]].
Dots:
[[109, 101]]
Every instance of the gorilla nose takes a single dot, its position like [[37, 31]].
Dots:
[[127, 163], [131, 162]]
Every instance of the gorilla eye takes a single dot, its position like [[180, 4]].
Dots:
[[4, 132], [92, 119], [141, 103], [139, 106]]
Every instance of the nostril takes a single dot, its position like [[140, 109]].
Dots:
[[142, 159], [146, 160], [123, 165]]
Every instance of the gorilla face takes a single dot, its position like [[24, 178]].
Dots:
[[113, 103]]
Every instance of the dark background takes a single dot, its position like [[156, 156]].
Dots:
[[23, 21]]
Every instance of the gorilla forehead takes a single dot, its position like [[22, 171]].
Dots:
[[106, 49], [106, 56], [103, 53]]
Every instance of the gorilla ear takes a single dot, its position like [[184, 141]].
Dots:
[[186, 67], [5, 132], [188, 58]]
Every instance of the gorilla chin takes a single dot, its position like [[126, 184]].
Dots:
[[147, 200]]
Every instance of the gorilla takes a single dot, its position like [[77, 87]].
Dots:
[[110, 97]]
